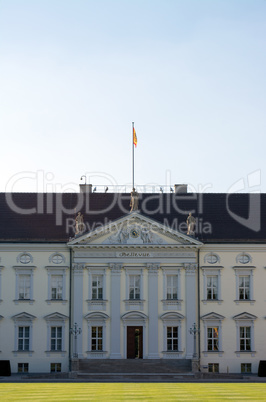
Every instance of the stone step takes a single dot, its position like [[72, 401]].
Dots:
[[134, 366], [135, 377]]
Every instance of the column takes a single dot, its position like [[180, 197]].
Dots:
[[115, 310], [153, 343], [191, 306], [78, 304]]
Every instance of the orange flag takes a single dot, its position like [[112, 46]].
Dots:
[[135, 140]]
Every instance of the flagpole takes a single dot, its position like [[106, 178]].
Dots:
[[132, 154]]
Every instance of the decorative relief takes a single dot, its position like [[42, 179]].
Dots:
[[243, 258], [78, 268], [134, 234], [57, 258], [211, 258], [153, 268], [24, 258], [116, 268], [190, 268]]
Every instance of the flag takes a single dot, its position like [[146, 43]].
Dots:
[[135, 140]]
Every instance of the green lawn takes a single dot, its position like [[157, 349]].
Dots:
[[132, 392]]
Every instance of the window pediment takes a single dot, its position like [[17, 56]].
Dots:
[[134, 315], [56, 317], [96, 316], [172, 316], [212, 316], [23, 317], [245, 316]]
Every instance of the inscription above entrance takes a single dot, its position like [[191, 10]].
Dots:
[[133, 254]]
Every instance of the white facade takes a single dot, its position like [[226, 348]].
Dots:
[[133, 287]]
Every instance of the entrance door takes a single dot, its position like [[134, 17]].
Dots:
[[134, 342]]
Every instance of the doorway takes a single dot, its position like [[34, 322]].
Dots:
[[134, 342]]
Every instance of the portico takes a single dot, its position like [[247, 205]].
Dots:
[[142, 270]]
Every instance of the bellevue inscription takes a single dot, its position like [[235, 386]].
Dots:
[[134, 254]]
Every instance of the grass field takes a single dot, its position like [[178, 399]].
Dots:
[[132, 392]]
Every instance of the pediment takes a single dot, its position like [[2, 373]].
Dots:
[[96, 316], [134, 315], [24, 317], [55, 317], [212, 316], [135, 229], [172, 316], [244, 316]]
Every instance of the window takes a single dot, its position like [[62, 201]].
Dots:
[[24, 281], [57, 287], [212, 333], [23, 338], [24, 284], [171, 293], [23, 332], [244, 284], [55, 367], [245, 333], [213, 367], [56, 338], [171, 288], [97, 287], [97, 338], [134, 287], [96, 334], [172, 339], [212, 287], [56, 333], [213, 339], [23, 367], [246, 368], [212, 284], [245, 340], [57, 284]]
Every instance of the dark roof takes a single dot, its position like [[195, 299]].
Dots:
[[49, 217]]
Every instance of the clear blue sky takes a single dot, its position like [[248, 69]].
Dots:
[[189, 73]]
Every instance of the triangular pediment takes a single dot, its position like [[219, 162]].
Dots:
[[55, 317], [244, 316], [23, 317], [135, 229], [212, 316]]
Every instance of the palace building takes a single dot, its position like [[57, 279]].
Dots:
[[162, 276]]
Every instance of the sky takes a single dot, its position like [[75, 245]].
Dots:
[[190, 74]]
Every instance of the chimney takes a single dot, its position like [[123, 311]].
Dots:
[[85, 188], [180, 188]]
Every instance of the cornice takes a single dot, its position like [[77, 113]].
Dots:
[[134, 246], [22, 247], [246, 247]]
